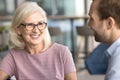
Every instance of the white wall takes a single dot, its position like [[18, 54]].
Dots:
[[79, 7]]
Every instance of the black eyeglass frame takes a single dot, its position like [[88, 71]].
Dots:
[[32, 25]]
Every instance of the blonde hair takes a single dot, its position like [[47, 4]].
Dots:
[[21, 13]]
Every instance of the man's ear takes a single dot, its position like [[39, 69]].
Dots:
[[110, 22]]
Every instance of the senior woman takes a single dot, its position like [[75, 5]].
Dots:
[[35, 56]]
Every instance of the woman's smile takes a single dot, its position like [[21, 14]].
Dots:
[[35, 36]]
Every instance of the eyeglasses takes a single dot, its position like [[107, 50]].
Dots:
[[31, 26]]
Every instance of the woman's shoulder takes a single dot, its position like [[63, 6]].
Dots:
[[16, 51], [58, 45]]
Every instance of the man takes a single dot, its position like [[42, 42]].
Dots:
[[105, 22]]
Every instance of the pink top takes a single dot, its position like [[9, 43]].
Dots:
[[52, 64]]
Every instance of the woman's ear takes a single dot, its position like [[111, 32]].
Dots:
[[18, 31], [110, 22]]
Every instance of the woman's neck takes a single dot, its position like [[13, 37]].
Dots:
[[35, 49]]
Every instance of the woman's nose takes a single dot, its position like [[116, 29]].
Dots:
[[35, 29]]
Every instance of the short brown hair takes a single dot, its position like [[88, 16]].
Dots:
[[109, 8]]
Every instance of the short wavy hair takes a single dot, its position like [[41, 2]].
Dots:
[[21, 13]]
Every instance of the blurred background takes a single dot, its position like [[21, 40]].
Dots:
[[67, 23]]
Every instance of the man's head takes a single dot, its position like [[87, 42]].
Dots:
[[104, 19], [109, 8]]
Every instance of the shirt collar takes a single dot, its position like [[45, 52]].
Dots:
[[113, 47]]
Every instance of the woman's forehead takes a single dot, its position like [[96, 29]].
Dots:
[[35, 17]]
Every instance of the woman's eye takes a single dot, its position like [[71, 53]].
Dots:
[[30, 25], [40, 23]]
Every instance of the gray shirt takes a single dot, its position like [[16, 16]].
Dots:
[[113, 71]]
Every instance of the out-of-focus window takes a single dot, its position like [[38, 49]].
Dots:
[[2, 7], [7, 7], [57, 7]]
